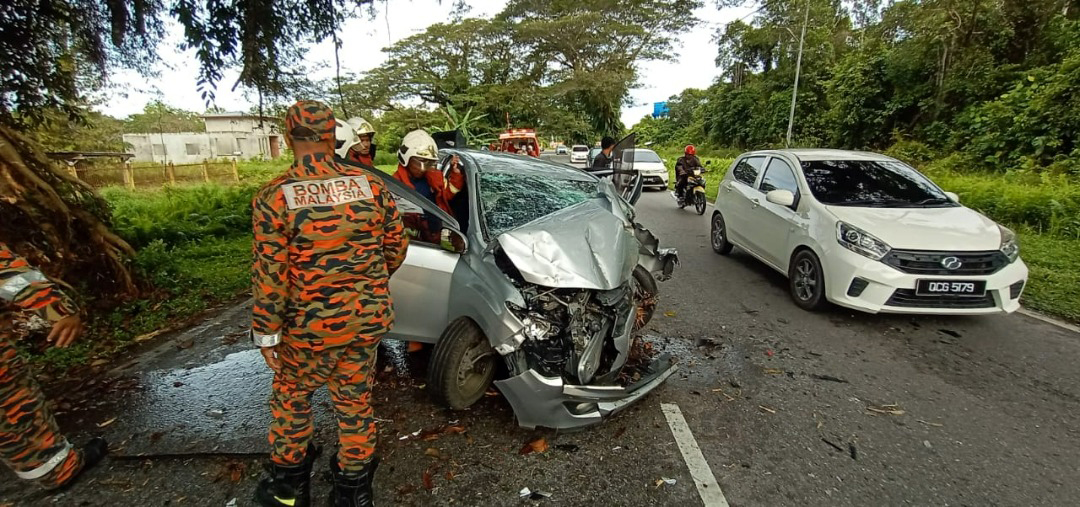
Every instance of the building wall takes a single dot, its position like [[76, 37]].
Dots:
[[192, 148], [237, 124]]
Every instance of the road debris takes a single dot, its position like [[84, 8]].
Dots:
[[828, 378], [432, 434], [936, 425], [533, 495], [429, 483], [726, 395], [216, 413], [854, 453], [231, 503], [669, 314], [769, 352], [767, 409], [886, 409], [568, 447], [834, 446], [538, 445], [949, 332], [433, 452], [927, 444], [772, 371], [664, 480], [106, 423], [619, 432]]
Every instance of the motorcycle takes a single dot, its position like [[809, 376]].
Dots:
[[693, 192]]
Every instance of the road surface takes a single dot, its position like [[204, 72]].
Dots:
[[786, 407]]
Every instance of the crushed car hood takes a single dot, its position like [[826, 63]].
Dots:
[[584, 246]]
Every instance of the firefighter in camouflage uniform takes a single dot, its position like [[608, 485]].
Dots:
[[327, 239], [30, 441]]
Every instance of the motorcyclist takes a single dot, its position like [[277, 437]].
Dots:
[[684, 167], [355, 141]]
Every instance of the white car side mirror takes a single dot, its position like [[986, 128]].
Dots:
[[953, 197], [781, 198]]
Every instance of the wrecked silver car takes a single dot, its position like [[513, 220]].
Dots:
[[542, 277]]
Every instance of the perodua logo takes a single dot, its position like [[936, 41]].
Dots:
[[951, 263]]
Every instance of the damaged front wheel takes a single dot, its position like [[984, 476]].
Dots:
[[462, 366]]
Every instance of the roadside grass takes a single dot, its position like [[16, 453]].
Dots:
[[1054, 282]]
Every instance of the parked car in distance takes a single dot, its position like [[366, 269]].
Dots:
[[562, 150], [867, 232], [653, 171], [578, 154]]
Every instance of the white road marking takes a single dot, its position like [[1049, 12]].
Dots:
[[703, 476], [1048, 320]]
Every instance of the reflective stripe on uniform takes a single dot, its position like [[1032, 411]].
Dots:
[[265, 340], [47, 466], [453, 189], [14, 285]]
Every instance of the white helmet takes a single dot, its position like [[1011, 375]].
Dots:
[[417, 144], [346, 139], [361, 126]]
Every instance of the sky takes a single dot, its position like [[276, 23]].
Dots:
[[363, 39]]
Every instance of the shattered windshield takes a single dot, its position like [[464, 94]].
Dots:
[[510, 200]]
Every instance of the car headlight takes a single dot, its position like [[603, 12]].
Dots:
[[1009, 245], [860, 241]]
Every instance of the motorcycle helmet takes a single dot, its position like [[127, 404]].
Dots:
[[690, 150]]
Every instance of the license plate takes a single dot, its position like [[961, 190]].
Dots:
[[950, 287]]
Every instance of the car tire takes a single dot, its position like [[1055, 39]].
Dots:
[[462, 366], [719, 235], [806, 281], [645, 293]]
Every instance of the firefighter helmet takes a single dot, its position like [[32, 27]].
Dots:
[[417, 144]]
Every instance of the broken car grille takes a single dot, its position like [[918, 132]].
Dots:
[[907, 298], [921, 262]]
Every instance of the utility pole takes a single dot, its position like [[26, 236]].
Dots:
[[798, 68]]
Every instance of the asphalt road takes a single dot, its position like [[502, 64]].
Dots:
[[788, 408]]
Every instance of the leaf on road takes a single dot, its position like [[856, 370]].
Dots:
[[429, 483], [433, 452], [773, 371], [669, 314], [538, 445]]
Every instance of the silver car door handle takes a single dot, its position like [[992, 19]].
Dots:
[[755, 202], [727, 188]]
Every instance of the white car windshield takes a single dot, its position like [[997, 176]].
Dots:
[[514, 196], [872, 183]]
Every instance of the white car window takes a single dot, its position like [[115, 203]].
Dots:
[[779, 176], [748, 169]]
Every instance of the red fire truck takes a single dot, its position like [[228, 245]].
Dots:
[[520, 141]]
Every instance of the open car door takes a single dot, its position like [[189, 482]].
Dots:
[[421, 287], [627, 180]]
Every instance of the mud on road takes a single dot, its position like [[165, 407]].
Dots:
[[788, 408]]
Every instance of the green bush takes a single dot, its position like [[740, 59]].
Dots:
[[174, 215], [1045, 203]]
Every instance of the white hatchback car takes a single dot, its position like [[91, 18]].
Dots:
[[868, 232], [579, 154], [653, 171]]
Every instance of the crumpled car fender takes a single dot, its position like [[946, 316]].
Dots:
[[481, 293]]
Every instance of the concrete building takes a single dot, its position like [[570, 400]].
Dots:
[[228, 135]]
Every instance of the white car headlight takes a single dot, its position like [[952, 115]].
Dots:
[[860, 241], [1009, 245]]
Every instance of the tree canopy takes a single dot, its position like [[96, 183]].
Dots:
[[996, 80]]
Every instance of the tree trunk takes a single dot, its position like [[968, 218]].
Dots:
[[58, 222]]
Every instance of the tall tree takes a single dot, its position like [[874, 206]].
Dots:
[[57, 51], [160, 117]]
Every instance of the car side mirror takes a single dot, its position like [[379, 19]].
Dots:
[[453, 241], [953, 197], [781, 198]]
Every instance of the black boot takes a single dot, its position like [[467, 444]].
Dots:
[[288, 486], [91, 454], [353, 489]]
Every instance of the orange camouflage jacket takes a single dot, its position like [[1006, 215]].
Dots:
[[327, 239], [25, 288]]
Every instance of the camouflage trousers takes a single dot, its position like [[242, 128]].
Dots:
[[347, 372], [30, 440]]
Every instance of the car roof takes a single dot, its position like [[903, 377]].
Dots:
[[818, 154]]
